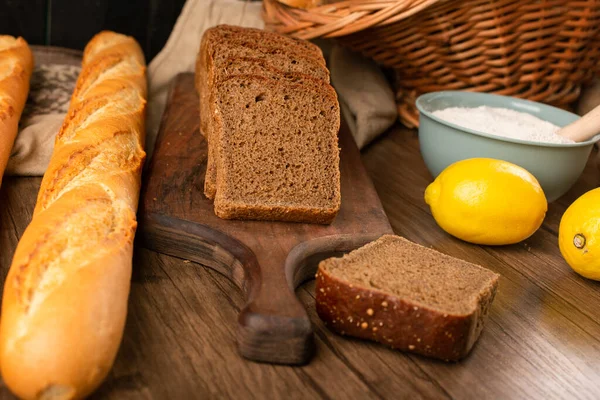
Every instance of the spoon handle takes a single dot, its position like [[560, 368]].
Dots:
[[584, 128]]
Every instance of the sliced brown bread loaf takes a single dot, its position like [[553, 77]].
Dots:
[[278, 150], [239, 66], [224, 42], [406, 296]]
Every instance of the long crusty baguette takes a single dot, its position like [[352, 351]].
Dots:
[[16, 66], [65, 297]]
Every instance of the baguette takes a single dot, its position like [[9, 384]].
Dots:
[[16, 67], [65, 297]]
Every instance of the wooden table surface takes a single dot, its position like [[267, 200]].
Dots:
[[541, 340]]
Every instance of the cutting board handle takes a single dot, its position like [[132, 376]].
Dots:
[[273, 326]]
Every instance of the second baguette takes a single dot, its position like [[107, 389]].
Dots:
[[16, 67]]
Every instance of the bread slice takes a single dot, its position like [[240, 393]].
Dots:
[[223, 42], [278, 150], [239, 66], [406, 296], [230, 32]]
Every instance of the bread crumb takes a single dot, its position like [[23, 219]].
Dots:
[[381, 324], [375, 329], [384, 303], [364, 325], [416, 308], [419, 340], [349, 319], [155, 199], [357, 296], [322, 290], [186, 261], [370, 312], [411, 347]]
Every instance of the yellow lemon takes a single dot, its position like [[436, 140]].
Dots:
[[487, 201], [579, 235]]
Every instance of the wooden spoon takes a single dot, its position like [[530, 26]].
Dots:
[[584, 128]]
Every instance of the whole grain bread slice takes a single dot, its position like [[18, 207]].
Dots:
[[278, 149], [223, 42], [406, 296], [239, 66]]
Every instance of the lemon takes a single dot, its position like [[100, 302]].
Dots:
[[487, 201], [579, 235]]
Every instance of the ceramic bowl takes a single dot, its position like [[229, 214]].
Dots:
[[556, 166]]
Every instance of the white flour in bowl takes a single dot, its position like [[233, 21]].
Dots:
[[503, 122]]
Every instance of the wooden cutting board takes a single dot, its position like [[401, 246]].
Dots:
[[266, 260]]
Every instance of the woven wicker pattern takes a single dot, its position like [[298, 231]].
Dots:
[[540, 50]]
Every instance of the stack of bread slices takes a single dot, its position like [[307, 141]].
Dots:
[[271, 119]]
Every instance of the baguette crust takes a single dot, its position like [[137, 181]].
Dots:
[[65, 297], [16, 67], [396, 322]]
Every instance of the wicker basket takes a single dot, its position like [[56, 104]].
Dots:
[[540, 50]]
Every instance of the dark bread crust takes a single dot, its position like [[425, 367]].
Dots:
[[276, 213], [402, 324]]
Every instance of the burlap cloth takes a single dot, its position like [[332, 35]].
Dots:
[[366, 98]]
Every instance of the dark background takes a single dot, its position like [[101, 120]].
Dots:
[[72, 23]]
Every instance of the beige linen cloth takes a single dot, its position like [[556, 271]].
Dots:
[[366, 98], [365, 95]]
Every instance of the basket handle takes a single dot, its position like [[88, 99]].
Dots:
[[339, 18]]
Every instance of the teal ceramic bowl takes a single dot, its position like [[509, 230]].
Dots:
[[556, 166]]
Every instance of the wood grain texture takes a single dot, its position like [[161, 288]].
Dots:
[[541, 341], [266, 260]]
